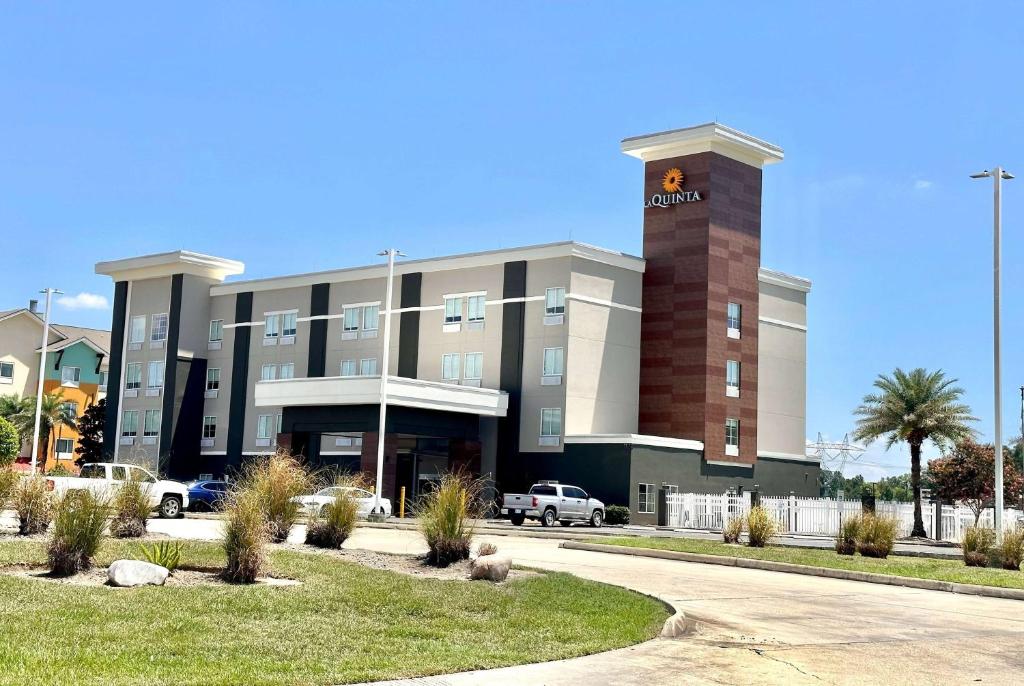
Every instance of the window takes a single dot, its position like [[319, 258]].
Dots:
[[286, 370], [70, 376], [6, 372], [138, 330], [645, 499], [733, 317], [732, 378], [271, 326], [474, 366], [209, 427], [158, 328], [70, 408], [348, 367], [554, 361], [151, 426], [216, 330], [65, 446], [477, 304], [371, 317], [130, 423], [93, 471], [450, 363], [732, 436], [155, 375], [133, 376], [103, 379], [368, 366], [288, 323], [551, 424], [351, 319], [452, 310], [269, 372], [554, 301], [213, 379], [263, 423]]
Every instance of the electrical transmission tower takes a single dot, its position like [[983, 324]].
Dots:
[[834, 455]]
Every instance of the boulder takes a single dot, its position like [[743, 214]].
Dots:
[[127, 573], [490, 567]]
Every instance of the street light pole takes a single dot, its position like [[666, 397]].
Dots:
[[997, 175], [391, 253], [42, 370]]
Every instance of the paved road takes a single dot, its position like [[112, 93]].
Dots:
[[753, 627]]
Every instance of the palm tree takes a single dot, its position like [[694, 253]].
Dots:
[[53, 415], [914, 407], [11, 405]]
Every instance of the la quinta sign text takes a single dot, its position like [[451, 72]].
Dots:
[[674, 194]]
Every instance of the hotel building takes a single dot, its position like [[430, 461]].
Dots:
[[682, 369]]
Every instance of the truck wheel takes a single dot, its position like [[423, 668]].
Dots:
[[170, 507], [548, 518], [517, 519], [597, 519]]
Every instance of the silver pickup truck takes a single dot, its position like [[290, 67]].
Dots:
[[550, 502]]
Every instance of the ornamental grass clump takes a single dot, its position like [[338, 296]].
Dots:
[[846, 539], [977, 545], [274, 481], [131, 509], [330, 527], [761, 527], [78, 527], [33, 501], [877, 536], [732, 530], [8, 482], [446, 518], [1011, 550], [246, 532]]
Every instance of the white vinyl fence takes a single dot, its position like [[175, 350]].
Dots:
[[819, 516]]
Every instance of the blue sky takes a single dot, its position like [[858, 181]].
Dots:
[[298, 137]]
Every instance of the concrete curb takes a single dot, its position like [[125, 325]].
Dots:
[[767, 565]]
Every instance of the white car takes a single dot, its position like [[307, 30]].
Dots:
[[325, 496]]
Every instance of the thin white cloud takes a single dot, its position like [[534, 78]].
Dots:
[[922, 185], [84, 301]]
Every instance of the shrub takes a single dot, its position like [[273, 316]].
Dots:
[[274, 481], [486, 549], [167, 554], [77, 532], [335, 525], [58, 470], [446, 518], [761, 527], [131, 509], [616, 514], [732, 530], [846, 539], [877, 536], [33, 502], [977, 545], [245, 533], [8, 482], [10, 443], [1011, 550]]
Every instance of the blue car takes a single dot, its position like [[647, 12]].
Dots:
[[207, 495]]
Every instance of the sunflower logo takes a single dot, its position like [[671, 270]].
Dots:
[[672, 182]]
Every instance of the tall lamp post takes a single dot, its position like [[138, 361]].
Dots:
[[42, 369], [998, 175], [391, 254]]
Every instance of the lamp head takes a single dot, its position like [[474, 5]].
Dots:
[[981, 175]]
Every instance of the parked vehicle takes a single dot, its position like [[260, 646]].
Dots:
[[325, 496], [169, 498], [550, 502], [207, 495]]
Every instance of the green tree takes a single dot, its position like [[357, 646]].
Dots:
[[53, 414], [10, 443], [90, 433], [11, 404], [914, 407], [896, 488], [967, 474]]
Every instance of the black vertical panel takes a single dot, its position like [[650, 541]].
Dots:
[[513, 319], [110, 436], [189, 402], [409, 331], [170, 374], [318, 303], [239, 378]]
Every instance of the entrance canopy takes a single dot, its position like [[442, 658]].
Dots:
[[365, 390]]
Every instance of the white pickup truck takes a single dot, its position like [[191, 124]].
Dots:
[[550, 502], [169, 498]]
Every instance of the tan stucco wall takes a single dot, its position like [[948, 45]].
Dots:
[[782, 372]]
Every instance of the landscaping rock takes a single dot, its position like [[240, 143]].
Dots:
[[491, 567], [127, 573]]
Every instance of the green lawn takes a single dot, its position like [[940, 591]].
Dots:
[[914, 567], [346, 623]]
